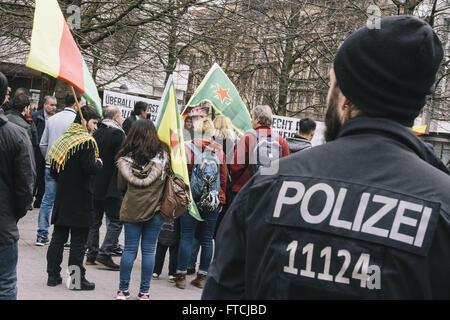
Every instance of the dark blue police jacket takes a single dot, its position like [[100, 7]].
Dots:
[[365, 216]]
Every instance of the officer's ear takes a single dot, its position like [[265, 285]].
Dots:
[[349, 110]]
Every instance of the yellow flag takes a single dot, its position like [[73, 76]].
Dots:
[[419, 130], [170, 131]]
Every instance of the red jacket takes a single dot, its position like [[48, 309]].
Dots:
[[216, 147], [239, 169]]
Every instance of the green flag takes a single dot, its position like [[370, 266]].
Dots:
[[217, 89], [170, 131]]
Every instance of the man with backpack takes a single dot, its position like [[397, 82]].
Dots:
[[256, 149]]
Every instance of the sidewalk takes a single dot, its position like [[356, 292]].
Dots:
[[32, 276]]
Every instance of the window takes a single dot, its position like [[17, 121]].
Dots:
[[300, 103], [291, 104], [309, 100]]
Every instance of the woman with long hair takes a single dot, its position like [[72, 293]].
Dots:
[[225, 135], [143, 163]]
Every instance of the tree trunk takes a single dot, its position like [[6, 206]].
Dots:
[[286, 68], [172, 48]]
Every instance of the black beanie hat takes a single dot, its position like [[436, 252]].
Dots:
[[388, 72]]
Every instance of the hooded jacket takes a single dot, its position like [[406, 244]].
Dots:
[[17, 176], [143, 187], [366, 216], [297, 143]]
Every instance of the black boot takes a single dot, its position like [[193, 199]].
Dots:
[[54, 280], [83, 285], [86, 285]]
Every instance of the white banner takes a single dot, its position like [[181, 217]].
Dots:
[[126, 103], [287, 127]]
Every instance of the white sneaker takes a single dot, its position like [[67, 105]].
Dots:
[[143, 296], [122, 295]]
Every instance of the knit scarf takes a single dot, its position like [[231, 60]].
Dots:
[[112, 124], [69, 143]]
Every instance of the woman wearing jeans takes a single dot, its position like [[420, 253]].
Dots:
[[143, 163], [189, 223]]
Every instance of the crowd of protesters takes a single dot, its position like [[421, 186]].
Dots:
[[93, 167], [82, 169]]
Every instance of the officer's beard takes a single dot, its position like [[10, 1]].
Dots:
[[332, 121]]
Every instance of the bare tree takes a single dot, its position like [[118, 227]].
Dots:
[[115, 37]]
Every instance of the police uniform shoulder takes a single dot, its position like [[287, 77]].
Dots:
[[295, 160]]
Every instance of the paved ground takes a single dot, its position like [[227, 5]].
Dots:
[[32, 276]]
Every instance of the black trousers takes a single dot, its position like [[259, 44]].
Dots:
[[56, 248], [161, 255], [111, 207], [224, 211], [39, 187]]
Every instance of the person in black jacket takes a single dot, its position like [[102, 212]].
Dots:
[[19, 109], [365, 216], [107, 198], [17, 176], [19, 91], [140, 112], [40, 118], [74, 160], [302, 139], [169, 238]]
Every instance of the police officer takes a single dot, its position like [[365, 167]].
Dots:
[[363, 216]]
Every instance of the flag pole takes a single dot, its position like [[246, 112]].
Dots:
[[83, 122]]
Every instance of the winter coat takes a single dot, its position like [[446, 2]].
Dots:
[[17, 178], [239, 169], [202, 144], [128, 123], [18, 119], [109, 141], [369, 203], [39, 121], [297, 143], [143, 187], [74, 195]]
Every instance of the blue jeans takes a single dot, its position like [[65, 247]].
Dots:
[[47, 205], [147, 231], [8, 275], [194, 253], [188, 226]]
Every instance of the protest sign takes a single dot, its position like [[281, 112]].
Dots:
[[287, 127], [126, 103]]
